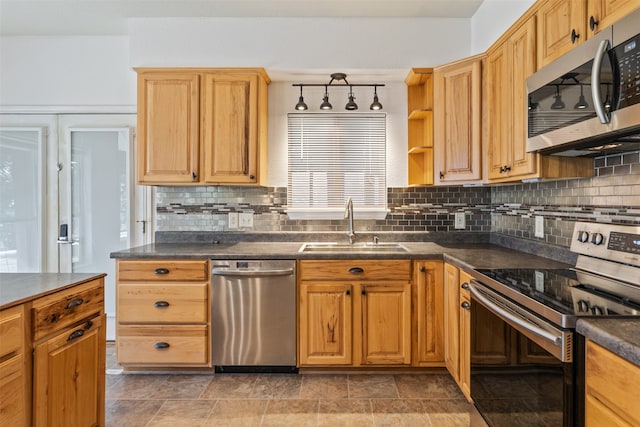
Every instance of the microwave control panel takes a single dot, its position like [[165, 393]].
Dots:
[[627, 56]]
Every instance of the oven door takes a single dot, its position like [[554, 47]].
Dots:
[[521, 366]]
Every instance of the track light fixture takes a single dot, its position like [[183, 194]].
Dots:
[[351, 104], [558, 104], [582, 103]]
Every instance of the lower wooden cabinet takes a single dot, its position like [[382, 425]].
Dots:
[[610, 382], [428, 313], [68, 376], [163, 313], [14, 386], [360, 317], [457, 308]]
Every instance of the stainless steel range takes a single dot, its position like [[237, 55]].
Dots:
[[527, 362]]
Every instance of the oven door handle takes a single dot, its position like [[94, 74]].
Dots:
[[252, 273], [556, 340]]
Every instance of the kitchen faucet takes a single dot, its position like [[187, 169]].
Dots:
[[348, 214]]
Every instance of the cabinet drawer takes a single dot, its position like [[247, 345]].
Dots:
[[64, 308], [164, 270], [11, 331], [12, 392], [368, 269], [609, 378], [163, 303], [149, 346]]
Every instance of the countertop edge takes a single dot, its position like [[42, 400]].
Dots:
[[620, 336]]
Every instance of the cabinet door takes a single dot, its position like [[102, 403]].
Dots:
[[325, 324], [230, 128], [522, 63], [457, 117], [451, 320], [602, 13], [562, 24], [168, 123], [69, 377], [465, 336], [386, 323], [498, 114], [428, 282]]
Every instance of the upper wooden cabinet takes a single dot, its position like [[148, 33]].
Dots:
[[563, 24], [457, 115], [202, 126], [508, 64], [420, 125]]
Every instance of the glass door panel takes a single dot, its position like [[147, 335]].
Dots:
[[22, 152]]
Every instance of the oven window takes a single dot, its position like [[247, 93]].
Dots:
[[514, 381], [567, 100]]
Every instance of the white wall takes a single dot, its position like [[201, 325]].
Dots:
[[66, 71], [492, 19]]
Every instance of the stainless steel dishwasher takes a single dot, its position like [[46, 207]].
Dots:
[[253, 315]]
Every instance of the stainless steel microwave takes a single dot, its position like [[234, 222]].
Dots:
[[587, 102]]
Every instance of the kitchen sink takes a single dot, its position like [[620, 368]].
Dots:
[[355, 247]]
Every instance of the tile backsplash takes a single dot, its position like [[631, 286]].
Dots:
[[612, 196]]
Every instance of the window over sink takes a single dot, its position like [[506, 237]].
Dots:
[[334, 156]]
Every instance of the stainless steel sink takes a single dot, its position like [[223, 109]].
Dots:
[[355, 247]]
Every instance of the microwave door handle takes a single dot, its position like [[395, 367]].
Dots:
[[595, 81]]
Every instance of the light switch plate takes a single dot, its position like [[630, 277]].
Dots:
[[539, 231], [246, 219], [233, 220], [460, 221]]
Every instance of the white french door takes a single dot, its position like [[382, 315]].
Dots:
[[68, 196], [101, 210]]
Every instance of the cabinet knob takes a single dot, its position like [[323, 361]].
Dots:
[[593, 23], [363, 292], [347, 292], [161, 304], [465, 305], [574, 36], [252, 177], [465, 286], [441, 175], [422, 269], [194, 177], [161, 271], [356, 270], [160, 345]]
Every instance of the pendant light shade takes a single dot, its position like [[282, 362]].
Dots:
[[301, 106], [351, 105], [375, 105], [582, 103], [326, 105], [558, 104]]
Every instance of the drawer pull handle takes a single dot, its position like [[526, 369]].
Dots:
[[161, 345], [75, 334], [465, 286], [161, 271], [74, 303], [356, 270], [160, 304]]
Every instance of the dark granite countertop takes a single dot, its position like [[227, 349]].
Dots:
[[18, 288], [479, 255], [620, 336]]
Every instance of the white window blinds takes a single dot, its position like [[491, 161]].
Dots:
[[332, 157]]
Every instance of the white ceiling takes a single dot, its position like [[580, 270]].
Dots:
[[109, 17]]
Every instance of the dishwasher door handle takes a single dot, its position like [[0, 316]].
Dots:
[[253, 273]]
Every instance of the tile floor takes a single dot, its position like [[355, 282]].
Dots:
[[283, 400]]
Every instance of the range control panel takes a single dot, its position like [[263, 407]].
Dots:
[[619, 243]]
